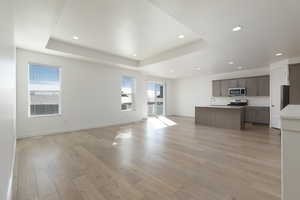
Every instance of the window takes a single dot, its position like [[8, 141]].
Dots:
[[44, 90], [128, 93], [155, 98]]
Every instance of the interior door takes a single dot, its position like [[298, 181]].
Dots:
[[278, 77]]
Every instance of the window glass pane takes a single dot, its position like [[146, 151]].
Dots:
[[127, 93], [159, 99], [155, 98], [151, 92], [127, 84], [44, 90], [44, 75]]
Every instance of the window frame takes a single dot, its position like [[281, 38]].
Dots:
[[28, 91], [133, 94], [164, 84]]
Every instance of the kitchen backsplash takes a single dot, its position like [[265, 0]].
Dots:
[[252, 101]]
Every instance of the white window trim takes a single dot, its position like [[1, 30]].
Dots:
[[28, 91], [133, 94]]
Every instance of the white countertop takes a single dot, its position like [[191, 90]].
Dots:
[[291, 112], [222, 106]]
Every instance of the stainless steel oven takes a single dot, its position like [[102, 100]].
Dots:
[[234, 92]]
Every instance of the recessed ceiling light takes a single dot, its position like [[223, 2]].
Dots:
[[237, 28], [181, 36], [231, 63], [171, 70], [198, 68], [75, 37], [134, 55], [240, 67], [279, 54]]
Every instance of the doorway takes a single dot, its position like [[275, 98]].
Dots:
[[155, 99], [278, 77]]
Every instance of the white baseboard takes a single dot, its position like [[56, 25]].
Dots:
[[61, 131]]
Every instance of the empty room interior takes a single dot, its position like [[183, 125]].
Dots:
[[149, 100]]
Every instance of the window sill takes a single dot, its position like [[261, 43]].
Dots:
[[131, 110], [41, 116]]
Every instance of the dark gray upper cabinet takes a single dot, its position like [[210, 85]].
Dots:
[[256, 86], [224, 88], [233, 83], [216, 88], [263, 86], [294, 77], [241, 83], [251, 86], [249, 114]]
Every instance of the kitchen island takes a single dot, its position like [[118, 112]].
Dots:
[[232, 117]]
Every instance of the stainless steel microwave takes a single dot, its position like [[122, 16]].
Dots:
[[237, 92]]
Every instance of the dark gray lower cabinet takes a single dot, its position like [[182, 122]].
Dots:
[[256, 114], [249, 114], [232, 118], [206, 116], [262, 116]]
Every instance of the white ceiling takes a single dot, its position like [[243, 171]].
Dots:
[[124, 27], [34, 21], [150, 29], [269, 26]]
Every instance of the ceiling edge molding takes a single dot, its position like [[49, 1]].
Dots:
[[191, 47], [279, 64], [258, 71], [294, 60], [97, 55]]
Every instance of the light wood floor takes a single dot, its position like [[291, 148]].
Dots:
[[148, 162]]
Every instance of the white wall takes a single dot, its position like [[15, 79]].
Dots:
[[7, 98], [170, 104], [90, 96], [188, 92]]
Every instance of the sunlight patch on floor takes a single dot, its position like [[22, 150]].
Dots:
[[124, 136], [167, 121], [160, 122]]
